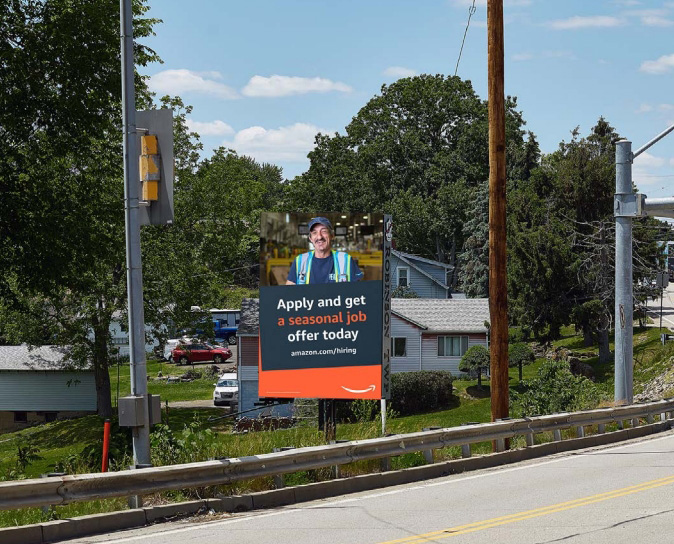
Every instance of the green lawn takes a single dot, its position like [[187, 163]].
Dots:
[[199, 389]]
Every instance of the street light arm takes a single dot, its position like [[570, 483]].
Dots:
[[652, 142]]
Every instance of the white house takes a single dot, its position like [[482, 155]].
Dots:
[[433, 334], [36, 386]]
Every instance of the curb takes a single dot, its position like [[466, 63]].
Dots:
[[55, 531]]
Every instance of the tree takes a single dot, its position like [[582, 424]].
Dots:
[[61, 232], [520, 354], [418, 149], [475, 255], [476, 359]]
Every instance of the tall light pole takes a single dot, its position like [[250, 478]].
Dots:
[[498, 299]]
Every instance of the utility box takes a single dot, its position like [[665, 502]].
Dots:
[[154, 405], [131, 410]]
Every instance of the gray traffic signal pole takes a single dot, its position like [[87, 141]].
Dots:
[[623, 278], [627, 206], [134, 272]]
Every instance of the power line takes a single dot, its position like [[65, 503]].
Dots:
[[471, 10]]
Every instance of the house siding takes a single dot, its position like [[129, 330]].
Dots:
[[429, 352], [402, 328], [248, 381], [29, 391], [420, 284]]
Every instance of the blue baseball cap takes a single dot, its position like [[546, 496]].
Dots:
[[320, 220]]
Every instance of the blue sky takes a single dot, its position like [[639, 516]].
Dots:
[[265, 75]]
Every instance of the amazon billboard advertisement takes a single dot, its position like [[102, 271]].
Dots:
[[324, 328]]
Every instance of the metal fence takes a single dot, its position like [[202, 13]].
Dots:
[[84, 487]]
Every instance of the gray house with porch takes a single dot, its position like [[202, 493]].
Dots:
[[427, 278]]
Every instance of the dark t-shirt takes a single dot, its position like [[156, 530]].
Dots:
[[323, 270]]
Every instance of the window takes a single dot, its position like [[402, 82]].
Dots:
[[403, 276], [399, 346], [20, 417], [50, 416], [452, 346]]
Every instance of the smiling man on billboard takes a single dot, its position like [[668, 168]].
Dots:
[[323, 264]]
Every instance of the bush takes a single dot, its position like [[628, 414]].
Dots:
[[422, 391], [476, 359], [520, 354], [555, 389]]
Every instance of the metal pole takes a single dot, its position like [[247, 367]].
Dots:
[[498, 301], [662, 292], [383, 417], [134, 272], [652, 142], [623, 281]]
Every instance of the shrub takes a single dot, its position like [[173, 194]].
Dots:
[[555, 389], [475, 360], [520, 354], [416, 392]]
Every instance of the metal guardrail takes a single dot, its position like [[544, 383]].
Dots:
[[83, 487]]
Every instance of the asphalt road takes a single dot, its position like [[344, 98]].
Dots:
[[619, 494], [667, 308]]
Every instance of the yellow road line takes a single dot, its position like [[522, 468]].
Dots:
[[528, 514]]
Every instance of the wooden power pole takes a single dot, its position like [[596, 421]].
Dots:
[[498, 299]]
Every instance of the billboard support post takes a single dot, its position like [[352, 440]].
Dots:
[[383, 417]]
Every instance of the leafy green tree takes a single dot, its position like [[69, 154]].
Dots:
[[520, 354], [61, 232], [404, 291], [418, 150], [475, 360]]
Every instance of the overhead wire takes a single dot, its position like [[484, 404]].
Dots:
[[471, 11]]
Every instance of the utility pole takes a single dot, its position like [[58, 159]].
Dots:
[[498, 299], [134, 271]]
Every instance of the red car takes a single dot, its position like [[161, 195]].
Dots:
[[195, 353]]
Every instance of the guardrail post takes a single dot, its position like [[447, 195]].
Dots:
[[428, 454], [465, 448], [580, 431], [335, 469], [601, 428], [557, 435], [279, 479], [649, 418], [635, 422], [621, 425], [136, 501]]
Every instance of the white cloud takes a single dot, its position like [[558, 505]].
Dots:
[[662, 65], [290, 143], [644, 108], [646, 160], [596, 21], [652, 17], [666, 107], [519, 57], [290, 85], [210, 128], [399, 71], [178, 82]]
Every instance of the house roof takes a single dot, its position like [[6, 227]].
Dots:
[[40, 358], [422, 259], [439, 315], [249, 322], [408, 260], [434, 315]]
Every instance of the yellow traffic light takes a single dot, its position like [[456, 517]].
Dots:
[[149, 167]]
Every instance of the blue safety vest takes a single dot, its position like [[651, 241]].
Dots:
[[342, 266]]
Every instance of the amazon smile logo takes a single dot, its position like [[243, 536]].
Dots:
[[371, 388]]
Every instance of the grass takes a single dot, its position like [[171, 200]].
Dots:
[[60, 439], [199, 389]]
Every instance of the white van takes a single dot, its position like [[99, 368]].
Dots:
[[169, 346], [226, 391]]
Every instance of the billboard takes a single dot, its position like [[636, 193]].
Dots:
[[325, 306]]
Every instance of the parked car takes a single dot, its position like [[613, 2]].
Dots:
[[198, 352], [226, 391], [169, 346]]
